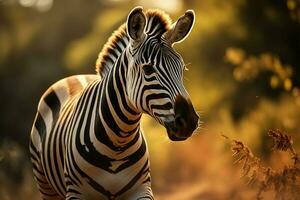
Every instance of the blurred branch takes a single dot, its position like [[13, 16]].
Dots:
[[247, 67], [294, 8]]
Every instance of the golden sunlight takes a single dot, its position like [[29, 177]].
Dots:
[[171, 6]]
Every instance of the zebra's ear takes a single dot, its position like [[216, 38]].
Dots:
[[181, 29], [136, 22]]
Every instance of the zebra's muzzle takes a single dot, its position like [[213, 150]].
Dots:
[[184, 122]]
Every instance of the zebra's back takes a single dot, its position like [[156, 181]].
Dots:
[[47, 146]]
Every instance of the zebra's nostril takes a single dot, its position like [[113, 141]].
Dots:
[[179, 122]]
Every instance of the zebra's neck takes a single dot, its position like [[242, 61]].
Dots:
[[111, 51], [118, 118]]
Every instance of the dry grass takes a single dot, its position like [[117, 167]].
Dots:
[[284, 183]]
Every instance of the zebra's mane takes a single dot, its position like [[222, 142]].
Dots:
[[118, 41]]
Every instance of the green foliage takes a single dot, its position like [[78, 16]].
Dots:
[[249, 67]]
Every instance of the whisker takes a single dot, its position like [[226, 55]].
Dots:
[[201, 131], [185, 66], [200, 112], [200, 127], [186, 79]]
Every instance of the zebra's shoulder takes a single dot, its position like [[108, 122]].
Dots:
[[63, 90], [52, 102]]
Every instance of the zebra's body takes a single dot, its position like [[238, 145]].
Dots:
[[86, 141], [52, 158]]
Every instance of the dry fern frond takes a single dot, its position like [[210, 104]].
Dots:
[[282, 141], [251, 165], [285, 183]]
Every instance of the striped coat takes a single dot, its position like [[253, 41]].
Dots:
[[86, 141]]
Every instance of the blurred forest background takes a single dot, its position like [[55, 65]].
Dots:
[[244, 73]]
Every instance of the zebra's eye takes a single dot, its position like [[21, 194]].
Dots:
[[148, 69]]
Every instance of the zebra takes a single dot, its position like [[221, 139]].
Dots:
[[86, 141]]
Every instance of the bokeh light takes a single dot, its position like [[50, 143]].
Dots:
[[40, 5]]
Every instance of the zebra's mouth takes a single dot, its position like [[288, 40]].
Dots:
[[182, 124], [174, 137], [174, 133]]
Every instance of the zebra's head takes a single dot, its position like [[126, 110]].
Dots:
[[155, 70]]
